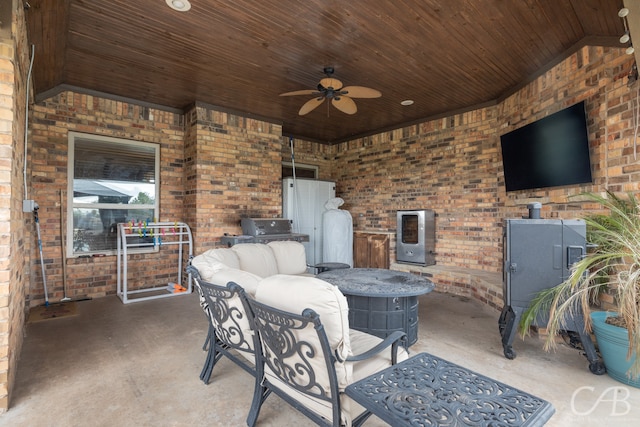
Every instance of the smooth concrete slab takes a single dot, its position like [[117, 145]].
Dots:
[[138, 365]]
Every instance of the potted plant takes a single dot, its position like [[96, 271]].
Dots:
[[613, 263]]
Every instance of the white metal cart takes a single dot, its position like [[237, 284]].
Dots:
[[156, 235]]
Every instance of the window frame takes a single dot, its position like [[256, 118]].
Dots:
[[300, 167], [70, 205]]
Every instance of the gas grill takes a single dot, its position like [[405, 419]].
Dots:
[[264, 230]]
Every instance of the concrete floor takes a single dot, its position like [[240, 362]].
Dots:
[[138, 365]]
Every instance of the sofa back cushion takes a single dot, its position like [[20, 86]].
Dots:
[[248, 281], [290, 256], [296, 293], [256, 258], [213, 260]]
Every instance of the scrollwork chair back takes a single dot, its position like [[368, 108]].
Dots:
[[297, 363], [230, 325]]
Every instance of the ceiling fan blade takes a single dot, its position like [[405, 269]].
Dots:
[[345, 104], [300, 92], [310, 105], [361, 92], [328, 82]]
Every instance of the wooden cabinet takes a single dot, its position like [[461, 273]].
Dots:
[[360, 250], [370, 250]]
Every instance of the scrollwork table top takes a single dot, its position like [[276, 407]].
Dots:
[[428, 391]]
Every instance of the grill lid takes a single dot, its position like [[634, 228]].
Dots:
[[265, 226]]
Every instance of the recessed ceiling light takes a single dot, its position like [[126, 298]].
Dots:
[[179, 5], [407, 102]]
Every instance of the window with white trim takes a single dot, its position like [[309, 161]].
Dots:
[[111, 181]]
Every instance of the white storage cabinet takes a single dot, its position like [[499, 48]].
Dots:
[[303, 203]]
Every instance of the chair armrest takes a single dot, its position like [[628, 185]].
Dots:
[[392, 340], [193, 271]]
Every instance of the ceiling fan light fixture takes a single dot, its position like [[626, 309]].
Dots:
[[179, 5], [625, 37]]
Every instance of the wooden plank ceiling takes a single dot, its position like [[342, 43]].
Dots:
[[445, 55]]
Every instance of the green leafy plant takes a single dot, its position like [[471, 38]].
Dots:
[[613, 263]]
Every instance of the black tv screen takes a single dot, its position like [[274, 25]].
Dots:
[[550, 152]]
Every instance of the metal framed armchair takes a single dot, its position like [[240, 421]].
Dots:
[[231, 326], [308, 359]]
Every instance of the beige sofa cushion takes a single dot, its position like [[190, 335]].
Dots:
[[239, 321], [248, 281], [294, 294], [256, 258], [213, 260], [290, 257], [360, 342]]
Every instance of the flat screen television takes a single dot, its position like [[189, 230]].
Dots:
[[550, 152]]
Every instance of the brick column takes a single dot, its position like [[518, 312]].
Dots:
[[14, 225], [232, 171]]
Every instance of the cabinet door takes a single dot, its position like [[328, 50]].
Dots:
[[303, 202], [360, 250], [534, 249], [370, 250], [379, 251]]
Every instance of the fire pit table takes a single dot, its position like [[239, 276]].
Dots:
[[381, 301], [426, 390]]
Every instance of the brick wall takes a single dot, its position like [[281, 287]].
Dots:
[[232, 172], [310, 153], [221, 167], [216, 168], [445, 165], [14, 271]]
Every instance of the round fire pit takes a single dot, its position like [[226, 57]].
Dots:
[[381, 301]]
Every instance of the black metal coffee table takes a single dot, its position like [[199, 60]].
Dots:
[[425, 390], [381, 301]]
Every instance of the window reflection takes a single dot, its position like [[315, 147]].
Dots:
[[113, 181], [96, 229]]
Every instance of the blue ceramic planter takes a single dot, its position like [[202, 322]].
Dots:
[[613, 343]]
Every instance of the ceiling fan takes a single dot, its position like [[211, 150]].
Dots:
[[331, 88]]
